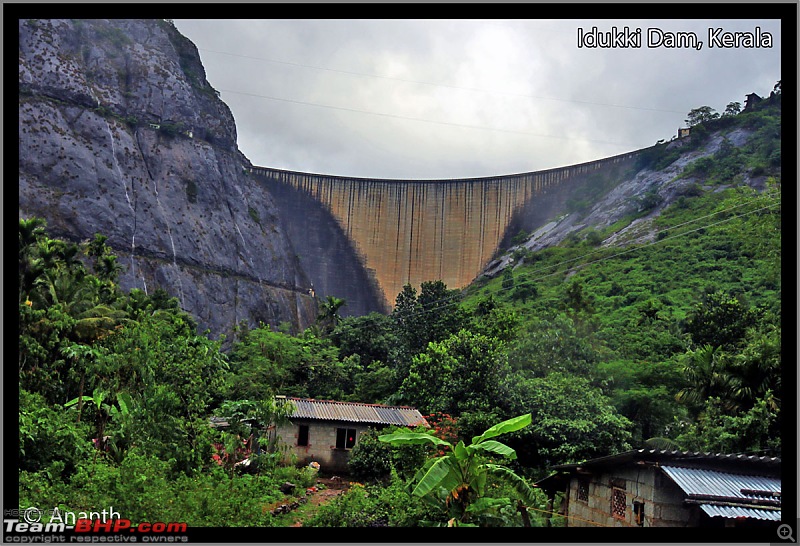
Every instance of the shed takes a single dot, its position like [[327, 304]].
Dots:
[[750, 101], [656, 488], [325, 431]]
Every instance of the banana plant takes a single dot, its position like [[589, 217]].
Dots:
[[457, 480], [104, 411]]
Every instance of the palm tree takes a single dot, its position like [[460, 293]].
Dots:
[[328, 317], [757, 370], [105, 262], [31, 233], [707, 373]]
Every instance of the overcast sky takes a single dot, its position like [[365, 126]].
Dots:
[[465, 98]]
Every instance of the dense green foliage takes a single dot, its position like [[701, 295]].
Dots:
[[372, 460], [672, 342], [660, 327], [372, 505], [458, 481]]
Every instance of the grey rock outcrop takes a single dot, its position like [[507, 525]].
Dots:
[[121, 134], [636, 191]]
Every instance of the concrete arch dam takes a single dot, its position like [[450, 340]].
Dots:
[[362, 239]]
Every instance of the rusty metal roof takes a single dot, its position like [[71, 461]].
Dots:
[[354, 412]]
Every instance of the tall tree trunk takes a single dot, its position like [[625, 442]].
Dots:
[[523, 510]]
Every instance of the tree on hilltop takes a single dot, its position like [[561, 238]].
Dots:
[[701, 115], [732, 109]]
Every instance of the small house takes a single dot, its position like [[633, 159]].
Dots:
[[684, 132], [750, 101], [655, 488], [324, 431]]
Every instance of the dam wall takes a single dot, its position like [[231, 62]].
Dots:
[[408, 231]]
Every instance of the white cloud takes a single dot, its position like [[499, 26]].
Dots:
[[450, 98]]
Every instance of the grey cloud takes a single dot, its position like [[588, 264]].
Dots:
[[544, 103]]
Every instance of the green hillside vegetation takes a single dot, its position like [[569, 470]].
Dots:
[[673, 343], [633, 319]]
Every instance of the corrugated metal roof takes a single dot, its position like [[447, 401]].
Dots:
[[727, 493], [330, 410], [219, 422], [698, 482], [658, 455], [734, 512]]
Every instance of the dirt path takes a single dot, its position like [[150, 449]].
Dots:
[[333, 488]]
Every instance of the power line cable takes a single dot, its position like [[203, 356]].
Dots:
[[551, 513], [443, 85], [666, 229], [633, 249], [395, 116]]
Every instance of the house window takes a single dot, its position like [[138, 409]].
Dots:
[[583, 489], [618, 502], [345, 438], [302, 435]]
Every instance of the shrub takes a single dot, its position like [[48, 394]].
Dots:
[[370, 460], [593, 238], [700, 167], [402, 512], [191, 191], [520, 237], [49, 434], [142, 489], [521, 254], [40, 488], [169, 129], [648, 201], [372, 506], [692, 190], [216, 499], [354, 508], [775, 158], [302, 476], [666, 157]]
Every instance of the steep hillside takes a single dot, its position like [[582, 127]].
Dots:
[[666, 291], [121, 134], [624, 205]]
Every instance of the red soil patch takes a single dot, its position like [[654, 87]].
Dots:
[[333, 488]]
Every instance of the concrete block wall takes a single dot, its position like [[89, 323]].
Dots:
[[639, 486], [668, 499], [321, 444]]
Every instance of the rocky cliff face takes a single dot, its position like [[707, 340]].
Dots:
[[629, 192], [121, 134]]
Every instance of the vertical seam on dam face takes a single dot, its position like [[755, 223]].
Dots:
[[411, 231]]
